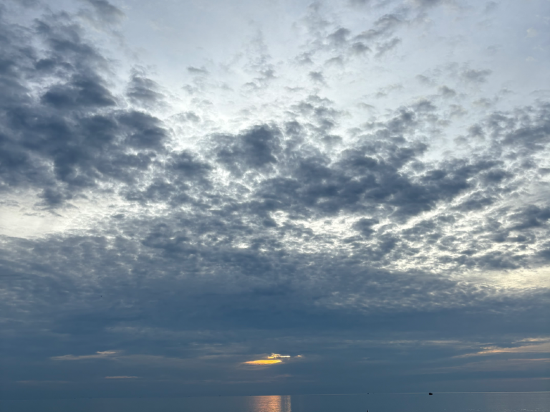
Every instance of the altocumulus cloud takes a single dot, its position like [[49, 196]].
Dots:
[[349, 195]]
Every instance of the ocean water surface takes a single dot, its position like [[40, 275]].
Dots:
[[439, 402]]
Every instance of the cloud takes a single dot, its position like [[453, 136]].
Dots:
[[543, 347], [272, 359], [317, 77], [76, 124], [197, 70], [268, 209], [383, 48], [97, 355], [278, 356], [429, 3], [384, 27], [142, 90], [475, 76], [447, 92], [339, 37], [106, 11], [254, 149]]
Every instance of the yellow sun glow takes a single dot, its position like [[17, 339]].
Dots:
[[263, 362]]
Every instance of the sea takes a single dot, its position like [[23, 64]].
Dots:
[[412, 402]]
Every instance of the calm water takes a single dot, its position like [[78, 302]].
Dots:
[[439, 402]]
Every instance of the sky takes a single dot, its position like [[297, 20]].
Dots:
[[273, 197]]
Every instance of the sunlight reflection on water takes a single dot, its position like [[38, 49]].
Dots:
[[271, 404]]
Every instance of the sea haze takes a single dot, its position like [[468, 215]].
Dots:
[[253, 197]]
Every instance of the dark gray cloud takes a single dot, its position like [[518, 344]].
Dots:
[[254, 149], [139, 296], [75, 124], [385, 47], [447, 92], [348, 43], [384, 27], [430, 3], [317, 77], [475, 76], [106, 11], [339, 37], [197, 70], [359, 48], [380, 37], [359, 2], [142, 90], [81, 92]]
